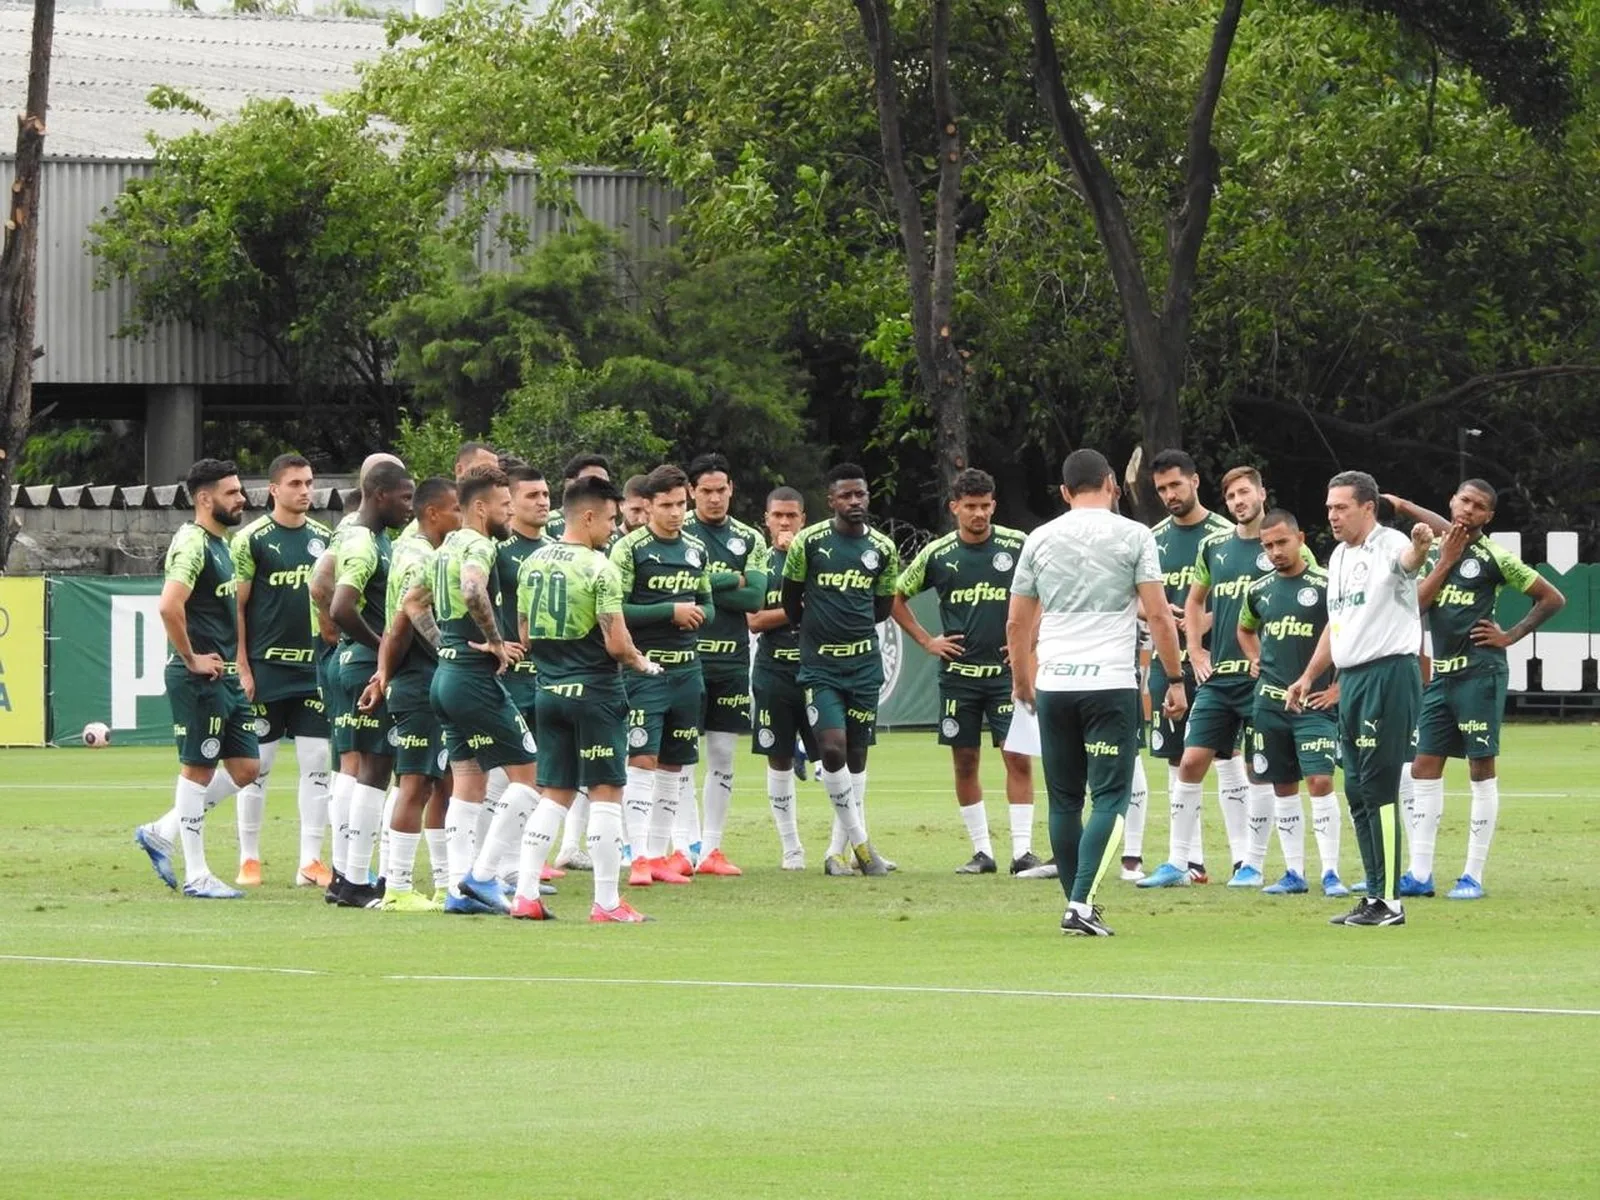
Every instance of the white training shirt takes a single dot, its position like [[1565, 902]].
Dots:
[[1372, 600], [1084, 568]]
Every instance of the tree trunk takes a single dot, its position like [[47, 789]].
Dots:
[[18, 260]]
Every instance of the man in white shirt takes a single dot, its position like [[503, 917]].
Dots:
[[1071, 638], [1374, 629]]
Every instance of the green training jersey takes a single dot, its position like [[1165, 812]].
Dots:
[[843, 576], [740, 549], [778, 649], [457, 626], [1228, 564], [1177, 547], [1466, 597], [410, 563], [200, 560], [276, 561], [973, 581], [562, 591], [657, 571], [1288, 615], [362, 562], [510, 554]]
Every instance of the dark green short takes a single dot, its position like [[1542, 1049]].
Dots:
[[1287, 747], [1461, 713], [367, 732], [780, 713], [841, 706], [583, 733], [1222, 708], [1089, 742], [727, 702], [295, 717], [481, 724], [419, 743], [1378, 707], [522, 685], [275, 680], [211, 719], [1167, 735], [965, 704], [664, 715]]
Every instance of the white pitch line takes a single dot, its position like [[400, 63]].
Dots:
[[60, 960]]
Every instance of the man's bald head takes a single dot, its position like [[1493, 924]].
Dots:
[[373, 460]]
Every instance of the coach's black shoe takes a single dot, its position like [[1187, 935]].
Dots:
[[1027, 862], [1346, 918], [1074, 924], [335, 886], [1376, 912], [361, 895], [979, 864]]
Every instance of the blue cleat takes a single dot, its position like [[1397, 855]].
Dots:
[[1165, 876], [209, 887], [464, 905], [1410, 886], [160, 852], [1334, 887], [1359, 887], [1245, 877], [1292, 884], [488, 892], [1466, 888]]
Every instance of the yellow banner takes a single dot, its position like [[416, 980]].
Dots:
[[22, 695]]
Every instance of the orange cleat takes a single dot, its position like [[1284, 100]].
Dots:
[[661, 870], [531, 908], [623, 914], [639, 874], [313, 874], [249, 873], [716, 863], [679, 862], [547, 873]]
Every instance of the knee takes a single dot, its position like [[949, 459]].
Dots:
[[965, 759]]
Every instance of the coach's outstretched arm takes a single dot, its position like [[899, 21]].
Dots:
[[1415, 512]]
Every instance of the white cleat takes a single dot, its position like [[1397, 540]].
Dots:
[[578, 860], [794, 860]]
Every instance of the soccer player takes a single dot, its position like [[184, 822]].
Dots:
[[1178, 538], [666, 600], [838, 585], [1374, 629], [211, 719], [971, 571], [736, 556], [570, 601], [579, 466], [361, 578], [635, 504], [779, 700], [1465, 698], [406, 664], [272, 561], [1072, 633], [1282, 619]]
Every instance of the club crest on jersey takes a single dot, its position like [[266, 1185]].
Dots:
[[766, 739], [949, 727], [527, 742], [1156, 740], [262, 727], [1003, 561], [1360, 572], [638, 736], [315, 547], [1471, 568], [737, 545], [1307, 597], [870, 559], [1259, 764], [692, 557], [1263, 563], [812, 715], [444, 759], [210, 748], [394, 735]]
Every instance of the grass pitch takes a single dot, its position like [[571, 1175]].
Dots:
[[784, 1036]]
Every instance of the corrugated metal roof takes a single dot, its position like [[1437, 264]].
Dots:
[[88, 495]]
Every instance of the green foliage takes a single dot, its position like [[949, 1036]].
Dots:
[[72, 452], [428, 446]]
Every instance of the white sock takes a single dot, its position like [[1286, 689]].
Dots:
[[976, 818], [1427, 807], [539, 834], [402, 861], [1021, 828], [1233, 795], [1485, 812], [312, 754], [505, 831], [494, 791], [664, 798], [686, 834], [252, 805], [1184, 803], [575, 826], [339, 816], [189, 802], [461, 831], [366, 811], [1138, 812], [858, 796], [839, 835], [1259, 807], [718, 794], [1408, 794], [780, 797], [1325, 826], [513, 851], [438, 857], [842, 796], [637, 800], [605, 850], [1194, 851], [390, 799], [1291, 819], [166, 826]]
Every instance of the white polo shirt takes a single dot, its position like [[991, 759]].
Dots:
[[1372, 600]]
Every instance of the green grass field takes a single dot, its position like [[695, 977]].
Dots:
[[922, 1035]]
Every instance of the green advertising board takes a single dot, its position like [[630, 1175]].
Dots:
[[107, 650], [910, 694]]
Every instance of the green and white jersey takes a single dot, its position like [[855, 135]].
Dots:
[[1085, 568], [973, 581], [457, 626], [510, 554], [657, 570], [734, 547], [1288, 614], [410, 563], [562, 590], [200, 560], [1372, 600], [844, 574], [1228, 564], [276, 561], [362, 562], [1468, 596], [1177, 548]]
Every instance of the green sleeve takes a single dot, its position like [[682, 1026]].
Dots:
[[724, 581], [915, 577], [752, 597], [891, 570], [244, 558], [794, 566], [1512, 569], [608, 590], [358, 558], [1247, 613], [1202, 568], [647, 614], [1308, 556], [186, 557], [622, 559]]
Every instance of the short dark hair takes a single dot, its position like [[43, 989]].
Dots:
[[972, 482], [511, 462], [844, 471], [523, 473], [708, 464], [1173, 460], [663, 479], [590, 490], [1084, 471], [634, 486], [1280, 516], [286, 462], [1363, 485], [579, 462], [384, 477], [430, 491], [208, 472], [479, 480], [1484, 486], [785, 495], [1242, 472], [468, 449]]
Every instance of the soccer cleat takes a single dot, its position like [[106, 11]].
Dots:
[[1359, 887], [460, 904], [361, 895], [160, 852], [313, 874], [407, 902], [1292, 884], [525, 908], [678, 863], [330, 894], [1466, 888], [249, 873], [1025, 862], [1376, 912], [576, 861], [547, 873], [1410, 885], [488, 892], [662, 870], [1132, 869], [1245, 876], [1333, 886], [639, 873], [209, 887], [1075, 924], [1345, 918], [1197, 873], [623, 914], [837, 864], [794, 860], [1165, 876], [1044, 870], [870, 862], [979, 864], [716, 863]]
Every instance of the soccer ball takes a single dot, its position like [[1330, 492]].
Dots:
[[96, 734]]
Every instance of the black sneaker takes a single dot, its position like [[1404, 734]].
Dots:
[[1075, 925], [1376, 912], [361, 895], [979, 864], [1027, 862], [335, 886], [1347, 918]]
